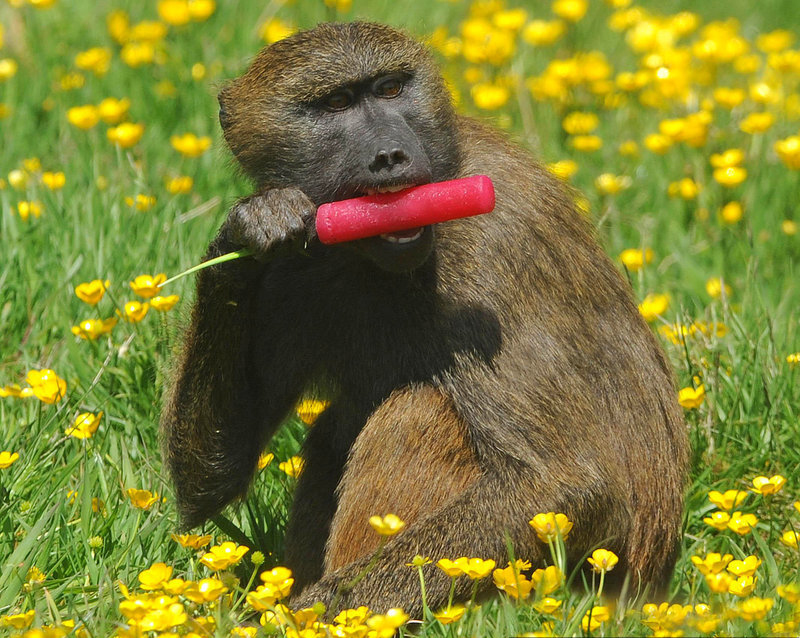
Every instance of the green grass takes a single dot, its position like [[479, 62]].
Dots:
[[747, 425]]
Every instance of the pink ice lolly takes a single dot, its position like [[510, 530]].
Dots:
[[417, 206]]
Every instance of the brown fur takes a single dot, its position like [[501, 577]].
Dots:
[[510, 374]]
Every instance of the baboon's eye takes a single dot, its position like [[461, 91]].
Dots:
[[389, 87], [339, 101]]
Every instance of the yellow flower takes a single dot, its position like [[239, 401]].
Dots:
[[718, 520], [547, 580], [91, 329], [664, 616], [309, 410], [653, 306], [549, 526], [452, 568], [390, 621], [634, 258], [18, 621], [276, 29], [180, 185], [137, 53], [126, 134], [586, 143], [713, 563], [789, 592], [112, 110], [729, 97], [265, 459], [190, 145], [774, 41], [388, 525], [563, 169], [571, 10], [742, 586], [142, 202], [84, 425], [686, 188], [580, 123], [755, 608], [746, 567], [658, 143], [155, 577], [541, 33], [263, 598], [205, 591], [134, 311], [477, 568], [7, 459], [192, 541], [609, 184], [512, 582], [789, 538], [47, 386], [26, 209], [731, 176], [84, 117], [732, 212], [292, 467], [757, 123], [54, 181], [595, 617], [97, 60], [789, 151], [451, 614], [728, 500], [715, 286], [174, 12], [18, 179], [764, 486], [691, 398], [162, 304], [8, 69], [223, 556], [602, 560], [147, 286], [490, 97], [201, 9], [742, 523], [141, 499], [789, 227], [547, 605], [718, 583], [92, 292]]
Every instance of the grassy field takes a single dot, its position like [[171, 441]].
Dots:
[[681, 131]]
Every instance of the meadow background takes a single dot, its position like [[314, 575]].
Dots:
[[678, 124]]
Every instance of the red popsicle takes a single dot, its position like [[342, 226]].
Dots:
[[417, 206]]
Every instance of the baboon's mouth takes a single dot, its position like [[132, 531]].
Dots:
[[403, 236]]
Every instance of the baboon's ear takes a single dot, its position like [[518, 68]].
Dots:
[[224, 117]]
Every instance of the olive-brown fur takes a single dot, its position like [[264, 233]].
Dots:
[[509, 374]]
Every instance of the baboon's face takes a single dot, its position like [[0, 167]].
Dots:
[[368, 115]]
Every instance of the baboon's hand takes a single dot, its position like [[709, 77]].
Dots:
[[271, 221]]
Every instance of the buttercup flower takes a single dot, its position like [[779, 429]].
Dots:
[[205, 591], [745, 567], [134, 311], [190, 145], [84, 117], [551, 525], [731, 212], [547, 580], [728, 500], [452, 568], [192, 541], [292, 467], [718, 520], [388, 525], [54, 181], [477, 568], [451, 614], [742, 523], [91, 329], [309, 410], [7, 459], [155, 577], [126, 134], [113, 110], [571, 10], [789, 151], [742, 586], [595, 617], [147, 286], [92, 292], [84, 425], [603, 560], [511, 581], [223, 556], [789, 538], [764, 486], [653, 306], [713, 563], [391, 620], [162, 304], [634, 258], [691, 398], [141, 499], [47, 386]]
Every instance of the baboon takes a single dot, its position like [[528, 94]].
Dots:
[[479, 371]]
